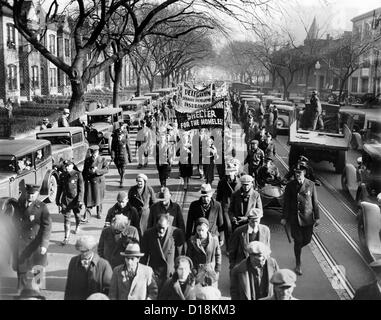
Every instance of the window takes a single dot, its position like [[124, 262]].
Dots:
[[24, 164], [77, 138], [52, 43], [364, 84], [39, 156], [11, 42], [35, 77], [12, 79], [67, 48], [354, 84], [22, 77], [53, 77]]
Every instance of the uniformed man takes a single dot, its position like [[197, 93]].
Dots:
[[254, 158], [94, 169], [33, 227], [300, 212], [63, 119], [70, 197], [310, 175]]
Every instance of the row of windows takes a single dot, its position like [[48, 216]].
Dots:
[[11, 41]]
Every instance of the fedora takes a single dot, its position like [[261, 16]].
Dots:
[[132, 250], [206, 188]]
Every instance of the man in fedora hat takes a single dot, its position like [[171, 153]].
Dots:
[[133, 280], [243, 235], [63, 119], [182, 283], [165, 205], [161, 245], [284, 284], [142, 197], [33, 226], [250, 279], [371, 291], [206, 207], [88, 273], [300, 212], [229, 184], [70, 197], [242, 201], [94, 171]]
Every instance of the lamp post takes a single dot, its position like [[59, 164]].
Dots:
[[317, 67]]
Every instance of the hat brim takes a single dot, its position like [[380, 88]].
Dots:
[[138, 255]]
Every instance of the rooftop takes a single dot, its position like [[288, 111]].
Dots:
[[368, 14]]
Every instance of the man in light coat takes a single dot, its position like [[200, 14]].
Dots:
[[243, 235], [133, 280]]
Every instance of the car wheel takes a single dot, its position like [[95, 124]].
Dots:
[[280, 124], [52, 191]]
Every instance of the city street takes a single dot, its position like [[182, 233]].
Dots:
[[335, 242]]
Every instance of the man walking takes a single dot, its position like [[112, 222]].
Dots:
[[70, 197], [33, 228], [94, 169], [316, 111], [300, 211]]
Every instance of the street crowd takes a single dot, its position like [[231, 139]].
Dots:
[[146, 250]]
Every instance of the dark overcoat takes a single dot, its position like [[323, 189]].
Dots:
[[120, 152], [95, 184], [33, 226], [70, 190], [175, 214], [129, 211], [98, 278], [300, 207]]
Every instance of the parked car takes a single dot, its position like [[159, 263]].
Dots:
[[26, 161], [284, 109], [67, 144], [145, 99], [105, 121], [133, 112]]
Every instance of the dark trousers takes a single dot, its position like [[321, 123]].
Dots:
[[302, 236], [317, 121]]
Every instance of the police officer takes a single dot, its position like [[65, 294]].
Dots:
[[70, 197], [300, 212], [94, 169], [33, 226], [310, 175]]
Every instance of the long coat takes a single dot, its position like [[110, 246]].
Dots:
[[143, 286], [120, 152], [300, 208], [212, 254], [162, 258], [236, 204], [142, 203], [215, 218], [95, 184], [109, 247], [174, 211], [171, 290], [33, 228], [239, 240], [96, 279], [240, 283], [70, 190]]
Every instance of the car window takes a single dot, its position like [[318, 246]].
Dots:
[[39, 156], [7, 164], [77, 137], [24, 163]]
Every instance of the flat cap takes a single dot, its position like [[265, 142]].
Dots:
[[94, 147], [254, 141], [284, 278], [180, 258], [257, 247], [246, 179], [66, 110], [121, 196], [32, 188], [202, 221], [142, 176], [255, 213]]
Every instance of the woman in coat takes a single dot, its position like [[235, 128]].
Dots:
[[185, 159], [120, 153], [142, 197], [209, 156], [162, 159], [182, 284], [205, 253]]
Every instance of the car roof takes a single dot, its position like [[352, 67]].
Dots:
[[283, 102], [71, 130], [285, 107], [104, 111], [373, 149], [20, 147]]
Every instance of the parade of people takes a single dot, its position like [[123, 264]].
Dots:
[[206, 181]]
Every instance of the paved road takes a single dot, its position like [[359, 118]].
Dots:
[[316, 282]]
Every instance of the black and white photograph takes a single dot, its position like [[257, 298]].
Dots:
[[168, 150]]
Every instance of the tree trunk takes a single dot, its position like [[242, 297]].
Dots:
[[162, 81], [138, 80], [118, 67], [76, 104]]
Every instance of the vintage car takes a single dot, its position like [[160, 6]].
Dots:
[[284, 109], [133, 112], [104, 122], [330, 144], [272, 199], [154, 95], [67, 144], [145, 99], [163, 92], [26, 161], [364, 182]]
